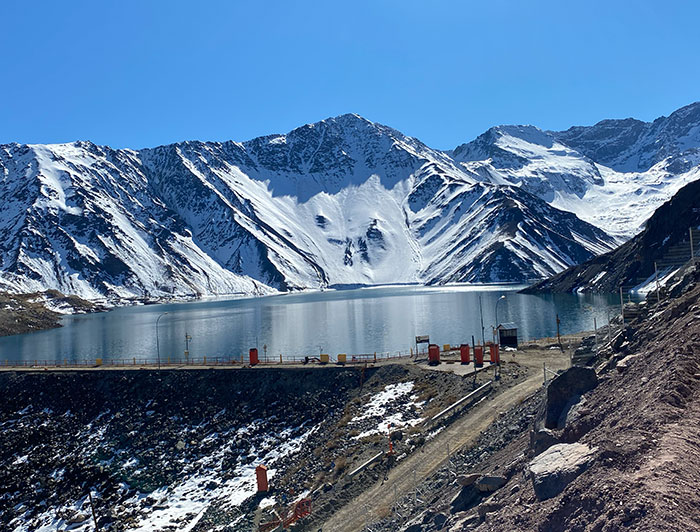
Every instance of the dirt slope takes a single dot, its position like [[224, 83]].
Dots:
[[644, 418], [375, 502]]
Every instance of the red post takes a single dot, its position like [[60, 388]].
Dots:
[[464, 353], [478, 355], [391, 445], [433, 354], [253, 356], [261, 476], [493, 352]]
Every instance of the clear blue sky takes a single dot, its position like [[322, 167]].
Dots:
[[143, 73]]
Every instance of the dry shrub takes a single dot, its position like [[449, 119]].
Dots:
[[383, 511], [341, 464]]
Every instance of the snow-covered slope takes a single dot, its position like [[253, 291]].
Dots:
[[612, 175], [83, 219], [342, 201]]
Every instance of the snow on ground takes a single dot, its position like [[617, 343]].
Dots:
[[187, 501], [181, 505], [649, 284], [387, 410]]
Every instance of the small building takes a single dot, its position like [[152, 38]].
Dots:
[[507, 334]]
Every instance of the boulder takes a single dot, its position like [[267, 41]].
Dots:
[[574, 381], [568, 413], [556, 467], [488, 507], [623, 364], [466, 522], [439, 520], [542, 439], [467, 480], [465, 499], [489, 483]]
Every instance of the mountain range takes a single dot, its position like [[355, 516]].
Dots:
[[344, 201]]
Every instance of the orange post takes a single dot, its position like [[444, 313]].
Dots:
[[433, 354], [464, 353], [261, 476], [478, 355], [493, 352]]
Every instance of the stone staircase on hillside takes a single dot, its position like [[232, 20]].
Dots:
[[675, 257]]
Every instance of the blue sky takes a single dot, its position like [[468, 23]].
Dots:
[[137, 74]]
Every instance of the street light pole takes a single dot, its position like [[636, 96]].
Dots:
[[496, 325], [481, 313], [157, 338]]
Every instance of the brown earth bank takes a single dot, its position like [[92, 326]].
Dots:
[[622, 451], [23, 313]]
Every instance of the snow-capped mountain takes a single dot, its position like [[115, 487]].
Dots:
[[342, 201], [630, 145], [650, 260], [613, 174]]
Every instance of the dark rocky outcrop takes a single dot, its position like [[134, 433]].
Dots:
[[572, 383]]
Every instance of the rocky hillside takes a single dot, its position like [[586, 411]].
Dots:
[[338, 202], [604, 448], [178, 449], [632, 263]]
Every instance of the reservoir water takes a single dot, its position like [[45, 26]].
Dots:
[[367, 320]]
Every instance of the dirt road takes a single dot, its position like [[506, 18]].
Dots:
[[464, 431]]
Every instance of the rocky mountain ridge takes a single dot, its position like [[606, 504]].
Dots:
[[344, 201]]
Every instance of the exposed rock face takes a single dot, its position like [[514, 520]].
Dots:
[[465, 499], [574, 381], [338, 202], [342, 201], [555, 468], [631, 145]]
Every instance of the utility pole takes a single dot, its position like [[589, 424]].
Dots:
[[595, 331], [187, 347], [92, 508], [622, 311], [496, 325], [692, 255], [157, 339], [656, 275], [558, 336]]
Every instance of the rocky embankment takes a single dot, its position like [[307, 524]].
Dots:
[[22, 313], [609, 447], [178, 449]]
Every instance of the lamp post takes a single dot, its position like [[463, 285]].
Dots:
[[496, 325], [481, 314], [157, 339]]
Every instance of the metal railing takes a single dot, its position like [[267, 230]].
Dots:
[[201, 361]]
